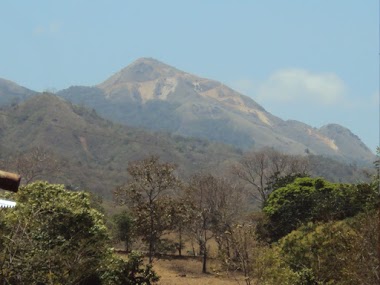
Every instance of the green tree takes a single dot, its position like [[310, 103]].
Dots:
[[148, 196], [336, 252], [314, 199], [52, 236], [124, 228], [117, 271]]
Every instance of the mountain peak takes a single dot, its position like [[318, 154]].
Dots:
[[347, 141], [141, 70], [149, 61]]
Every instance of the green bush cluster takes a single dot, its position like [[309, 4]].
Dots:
[[323, 233], [315, 200], [55, 236]]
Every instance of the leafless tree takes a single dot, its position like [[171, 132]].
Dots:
[[216, 204], [242, 239], [261, 169], [36, 163], [148, 196]]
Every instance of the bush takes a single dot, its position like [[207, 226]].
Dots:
[[131, 272], [54, 236], [312, 200], [343, 252]]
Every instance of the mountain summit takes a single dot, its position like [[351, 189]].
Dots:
[[148, 79], [154, 95], [141, 70]]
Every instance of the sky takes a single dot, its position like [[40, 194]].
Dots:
[[314, 61]]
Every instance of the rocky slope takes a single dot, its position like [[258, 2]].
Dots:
[[153, 95], [158, 97]]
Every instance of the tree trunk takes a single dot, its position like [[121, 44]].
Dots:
[[151, 237], [200, 243], [204, 265], [180, 243], [150, 251]]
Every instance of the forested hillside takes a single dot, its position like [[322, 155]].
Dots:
[[308, 230], [248, 216], [85, 151]]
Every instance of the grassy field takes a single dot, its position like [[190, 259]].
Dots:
[[188, 271]]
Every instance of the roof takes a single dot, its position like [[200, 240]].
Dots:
[[7, 204]]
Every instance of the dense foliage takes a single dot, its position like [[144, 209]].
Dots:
[[310, 231], [314, 199], [342, 252], [148, 195], [54, 236]]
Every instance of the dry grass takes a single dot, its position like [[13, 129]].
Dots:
[[188, 270]]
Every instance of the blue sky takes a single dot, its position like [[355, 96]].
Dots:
[[315, 61]]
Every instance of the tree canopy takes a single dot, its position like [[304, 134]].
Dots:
[[315, 199], [55, 236], [52, 236]]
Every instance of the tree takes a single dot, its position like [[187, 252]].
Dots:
[[314, 199], [52, 236], [336, 252], [124, 228], [263, 168], [36, 163], [199, 195], [242, 241], [148, 196], [131, 272], [215, 206], [180, 212]]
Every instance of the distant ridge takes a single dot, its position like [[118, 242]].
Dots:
[[11, 93], [153, 95], [94, 153]]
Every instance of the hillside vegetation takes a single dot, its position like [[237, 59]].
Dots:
[[249, 217], [94, 153], [309, 231]]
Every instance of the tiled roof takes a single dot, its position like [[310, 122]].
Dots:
[[7, 204]]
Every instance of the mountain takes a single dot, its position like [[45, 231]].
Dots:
[[94, 153], [156, 96], [11, 93]]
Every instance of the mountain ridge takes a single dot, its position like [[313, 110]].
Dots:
[[194, 106], [94, 153], [12, 93], [156, 96]]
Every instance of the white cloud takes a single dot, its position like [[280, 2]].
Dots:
[[299, 85], [316, 99]]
